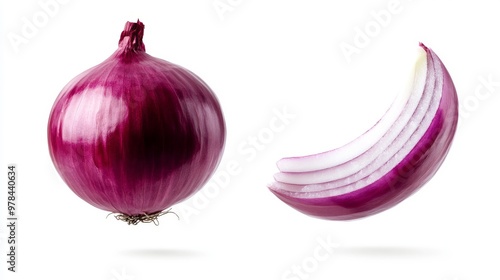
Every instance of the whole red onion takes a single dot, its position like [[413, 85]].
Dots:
[[136, 134]]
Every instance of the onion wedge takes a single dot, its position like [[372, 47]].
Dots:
[[385, 165]]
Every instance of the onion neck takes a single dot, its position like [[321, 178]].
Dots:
[[131, 37]]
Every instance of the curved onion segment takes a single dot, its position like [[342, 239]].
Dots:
[[385, 165], [136, 134]]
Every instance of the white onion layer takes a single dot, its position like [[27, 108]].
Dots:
[[403, 123], [361, 144], [416, 108]]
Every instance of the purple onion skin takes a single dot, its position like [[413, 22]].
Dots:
[[405, 179], [136, 134]]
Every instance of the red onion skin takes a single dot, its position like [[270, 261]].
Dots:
[[403, 180], [152, 133]]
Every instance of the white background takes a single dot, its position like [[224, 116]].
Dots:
[[259, 57]]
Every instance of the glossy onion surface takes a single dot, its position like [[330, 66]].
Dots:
[[388, 163], [135, 134]]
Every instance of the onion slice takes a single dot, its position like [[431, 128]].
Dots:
[[385, 165]]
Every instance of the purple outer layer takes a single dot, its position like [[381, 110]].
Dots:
[[159, 131], [405, 179]]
